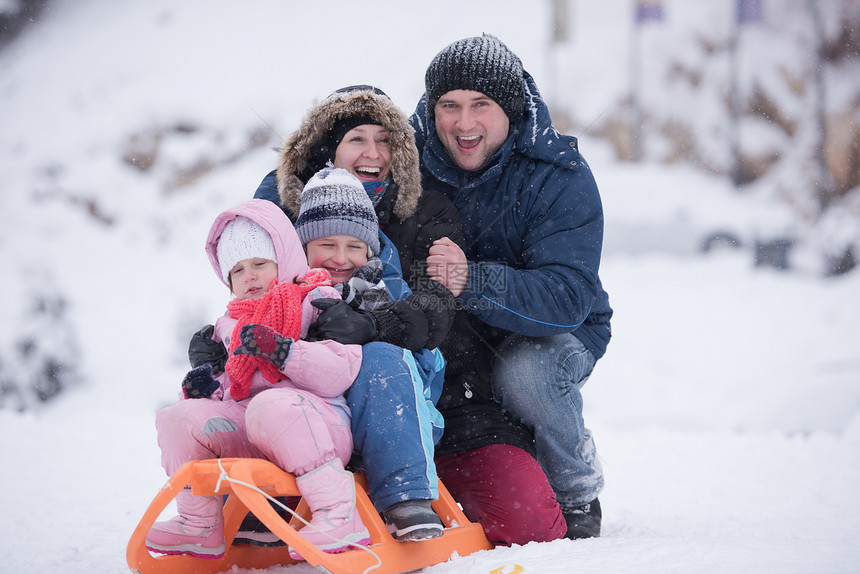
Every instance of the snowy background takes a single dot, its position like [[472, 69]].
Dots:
[[726, 409]]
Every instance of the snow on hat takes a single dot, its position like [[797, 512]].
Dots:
[[243, 239], [334, 202], [481, 64]]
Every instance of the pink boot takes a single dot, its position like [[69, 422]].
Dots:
[[198, 530], [335, 525]]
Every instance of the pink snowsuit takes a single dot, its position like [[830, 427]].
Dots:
[[300, 422]]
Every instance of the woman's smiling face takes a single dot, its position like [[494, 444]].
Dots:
[[365, 152]]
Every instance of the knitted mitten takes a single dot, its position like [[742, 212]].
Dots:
[[199, 383], [263, 341]]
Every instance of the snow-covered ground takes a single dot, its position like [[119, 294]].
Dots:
[[726, 412]]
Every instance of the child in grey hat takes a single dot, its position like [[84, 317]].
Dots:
[[338, 226]]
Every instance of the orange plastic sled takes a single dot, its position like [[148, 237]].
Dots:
[[208, 478]]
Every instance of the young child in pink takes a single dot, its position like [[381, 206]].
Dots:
[[281, 397]]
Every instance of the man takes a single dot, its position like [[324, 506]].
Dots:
[[533, 315]]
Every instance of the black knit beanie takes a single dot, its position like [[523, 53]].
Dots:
[[343, 125], [482, 64]]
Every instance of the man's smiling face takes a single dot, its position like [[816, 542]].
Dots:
[[471, 127]]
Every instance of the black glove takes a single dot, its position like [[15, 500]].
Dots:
[[437, 304], [402, 324], [340, 322], [199, 383], [203, 349], [263, 341]]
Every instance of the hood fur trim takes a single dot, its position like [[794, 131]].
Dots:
[[322, 117]]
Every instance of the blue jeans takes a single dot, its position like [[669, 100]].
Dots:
[[538, 379], [395, 424]]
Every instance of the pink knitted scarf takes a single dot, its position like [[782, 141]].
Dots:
[[281, 309]]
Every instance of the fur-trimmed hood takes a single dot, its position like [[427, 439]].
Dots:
[[293, 156]]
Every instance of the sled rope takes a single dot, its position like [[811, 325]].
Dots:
[[226, 477]]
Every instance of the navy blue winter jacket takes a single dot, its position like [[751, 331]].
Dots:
[[533, 225]]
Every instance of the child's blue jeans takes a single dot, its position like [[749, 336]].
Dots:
[[395, 424]]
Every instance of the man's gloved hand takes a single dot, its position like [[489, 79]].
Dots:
[[437, 304], [204, 350], [199, 383], [340, 322], [402, 324], [263, 341]]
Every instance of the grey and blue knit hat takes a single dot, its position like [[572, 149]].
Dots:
[[482, 64], [334, 202]]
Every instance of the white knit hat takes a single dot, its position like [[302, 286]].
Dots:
[[243, 239]]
